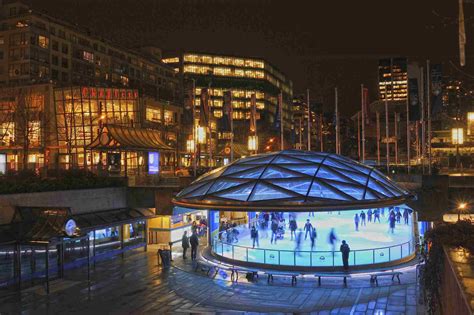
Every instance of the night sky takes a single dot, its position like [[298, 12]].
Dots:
[[318, 44]]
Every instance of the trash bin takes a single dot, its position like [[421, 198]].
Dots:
[[165, 255]]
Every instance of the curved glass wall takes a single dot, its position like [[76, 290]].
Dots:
[[374, 236]]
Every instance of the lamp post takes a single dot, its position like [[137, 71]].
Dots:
[[253, 144], [461, 207]]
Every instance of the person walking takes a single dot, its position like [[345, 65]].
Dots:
[[362, 218], [392, 221], [399, 216], [307, 228], [313, 237], [332, 239], [356, 221], [298, 239], [293, 227], [274, 231], [345, 250], [376, 215], [254, 236], [185, 243], [369, 215], [194, 241]]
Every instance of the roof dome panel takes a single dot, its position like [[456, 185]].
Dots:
[[292, 179]]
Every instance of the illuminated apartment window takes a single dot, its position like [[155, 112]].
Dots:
[[34, 133], [218, 113], [239, 62], [217, 103], [206, 59], [7, 132], [239, 73], [88, 56], [169, 117], [171, 60], [43, 41], [124, 80], [153, 114]]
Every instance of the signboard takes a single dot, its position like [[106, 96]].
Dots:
[[153, 162], [70, 227]]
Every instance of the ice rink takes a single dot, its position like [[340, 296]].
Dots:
[[388, 246]]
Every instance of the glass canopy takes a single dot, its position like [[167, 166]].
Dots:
[[292, 177]]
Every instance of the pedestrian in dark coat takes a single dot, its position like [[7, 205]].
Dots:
[[185, 243], [345, 250], [194, 241]]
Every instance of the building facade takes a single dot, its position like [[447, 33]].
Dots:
[[62, 88], [243, 77]]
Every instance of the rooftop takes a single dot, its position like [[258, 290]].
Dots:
[[293, 180]]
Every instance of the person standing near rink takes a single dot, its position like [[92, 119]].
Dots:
[[406, 214], [332, 239], [369, 215], [345, 250], [392, 219], [376, 215], [254, 236]]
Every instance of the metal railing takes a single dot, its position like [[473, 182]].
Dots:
[[311, 258]]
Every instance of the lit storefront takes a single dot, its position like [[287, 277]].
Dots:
[[101, 129]]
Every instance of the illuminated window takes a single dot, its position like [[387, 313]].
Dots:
[[171, 60], [169, 117], [34, 133], [7, 132], [88, 56], [153, 114], [218, 113], [43, 41], [124, 80]]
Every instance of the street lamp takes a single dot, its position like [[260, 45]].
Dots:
[[253, 143], [457, 138], [461, 208]]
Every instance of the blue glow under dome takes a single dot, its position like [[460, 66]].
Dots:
[[292, 179]]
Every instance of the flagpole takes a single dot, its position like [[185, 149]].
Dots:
[[231, 128], [195, 140], [378, 137], [282, 146], [395, 124], [338, 140], [321, 132], [309, 120], [358, 134], [387, 148], [363, 121], [408, 131], [428, 105], [423, 131]]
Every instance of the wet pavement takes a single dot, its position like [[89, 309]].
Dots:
[[136, 284]]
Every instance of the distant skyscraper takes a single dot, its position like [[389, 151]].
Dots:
[[393, 79]]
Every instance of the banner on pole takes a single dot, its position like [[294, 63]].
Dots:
[[204, 112], [253, 114], [365, 104], [226, 120], [413, 100], [436, 89], [277, 121]]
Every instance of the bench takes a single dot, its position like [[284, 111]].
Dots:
[[374, 276], [242, 270], [344, 276], [293, 276]]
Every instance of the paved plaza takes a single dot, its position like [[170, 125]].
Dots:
[[136, 284]]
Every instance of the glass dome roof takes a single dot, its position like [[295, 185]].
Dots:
[[292, 179]]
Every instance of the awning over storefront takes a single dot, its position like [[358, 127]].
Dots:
[[43, 224], [129, 139], [95, 220]]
